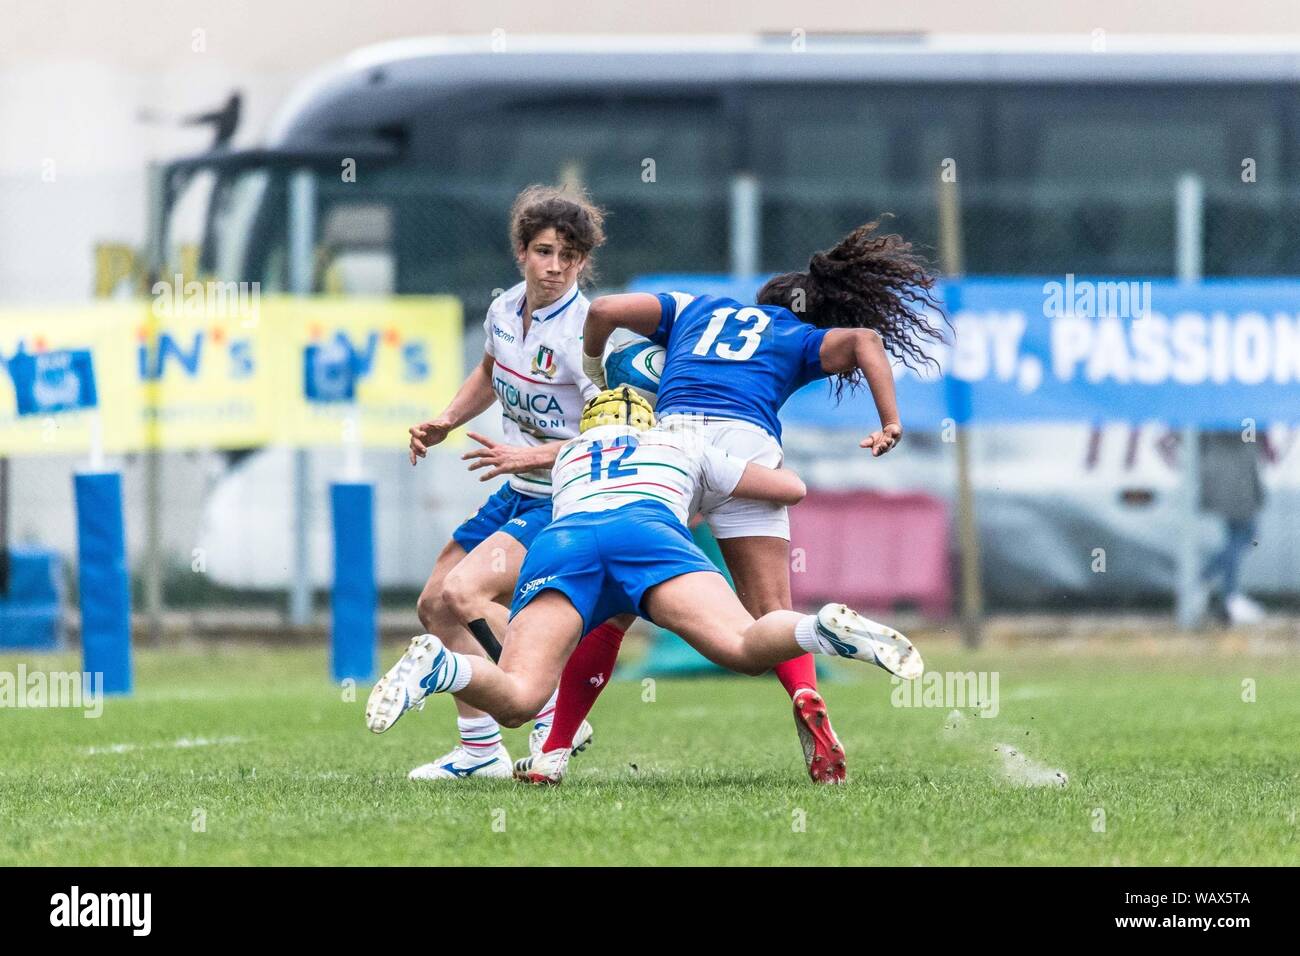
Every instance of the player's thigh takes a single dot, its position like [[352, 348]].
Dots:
[[490, 570], [760, 568], [704, 612], [540, 638]]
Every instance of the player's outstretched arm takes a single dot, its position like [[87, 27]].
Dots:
[[843, 351], [638, 311], [778, 485], [474, 397], [505, 459]]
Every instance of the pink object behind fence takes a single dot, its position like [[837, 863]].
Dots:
[[871, 550]]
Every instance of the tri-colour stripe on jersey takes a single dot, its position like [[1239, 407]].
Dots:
[[537, 374], [611, 466]]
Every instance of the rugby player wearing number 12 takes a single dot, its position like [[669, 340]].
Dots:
[[728, 370], [619, 546]]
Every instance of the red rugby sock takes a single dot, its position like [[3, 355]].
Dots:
[[585, 676], [797, 674]]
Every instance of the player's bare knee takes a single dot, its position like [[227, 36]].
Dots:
[[520, 710], [462, 597], [429, 608], [513, 716]]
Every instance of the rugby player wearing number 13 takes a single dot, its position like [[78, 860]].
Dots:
[[728, 370]]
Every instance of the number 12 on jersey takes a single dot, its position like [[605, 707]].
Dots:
[[612, 467], [753, 321]]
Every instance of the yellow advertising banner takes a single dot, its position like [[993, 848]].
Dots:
[[67, 376], [209, 379], [200, 374], [404, 362]]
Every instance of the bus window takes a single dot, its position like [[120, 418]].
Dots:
[[247, 242], [659, 166], [1096, 169], [356, 251], [1127, 135], [604, 139], [188, 219]]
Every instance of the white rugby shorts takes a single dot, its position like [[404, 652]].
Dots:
[[731, 517]]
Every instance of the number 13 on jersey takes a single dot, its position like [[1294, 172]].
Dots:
[[752, 322]]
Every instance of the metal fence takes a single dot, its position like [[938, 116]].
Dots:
[[450, 236]]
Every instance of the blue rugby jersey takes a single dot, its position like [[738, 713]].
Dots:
[[733, 360]]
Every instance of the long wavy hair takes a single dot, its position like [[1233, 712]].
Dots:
[[868, 280]]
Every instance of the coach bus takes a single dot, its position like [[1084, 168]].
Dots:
[[1065, 152]]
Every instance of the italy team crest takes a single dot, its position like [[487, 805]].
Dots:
[[544, 362]]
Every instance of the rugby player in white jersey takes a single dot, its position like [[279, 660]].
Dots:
[[532, 367], [619, 545]]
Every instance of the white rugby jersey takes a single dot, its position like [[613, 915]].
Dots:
[[538, 378], [615, 465]]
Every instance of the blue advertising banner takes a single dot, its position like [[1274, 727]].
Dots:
[[1068, 349]]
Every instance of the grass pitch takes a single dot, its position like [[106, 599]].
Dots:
[[242, 755]]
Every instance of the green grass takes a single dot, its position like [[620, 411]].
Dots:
[[708, 773]]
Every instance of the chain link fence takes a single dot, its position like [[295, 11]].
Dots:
[[401, 232], [451, 236]]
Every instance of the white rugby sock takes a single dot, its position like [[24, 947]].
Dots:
[[479, 735], [547, 712], [457, 669], [805, 635]]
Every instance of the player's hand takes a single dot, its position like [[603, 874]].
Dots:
[[500, 459], [427, 434], [881, 441]]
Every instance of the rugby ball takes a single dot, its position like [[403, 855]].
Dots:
[[637, 363]]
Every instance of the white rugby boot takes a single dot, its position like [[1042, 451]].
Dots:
[[461, 765], [543, 768], [537, 738], [852, 635], [426, 668]]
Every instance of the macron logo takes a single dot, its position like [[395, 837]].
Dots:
[[596, 681], [536, 583], [103, 909]]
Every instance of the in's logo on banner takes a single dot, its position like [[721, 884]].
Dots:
[[57, 381], [544, 362]]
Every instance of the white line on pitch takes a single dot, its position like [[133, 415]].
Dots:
[[181, 744]]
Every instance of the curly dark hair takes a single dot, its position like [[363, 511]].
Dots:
[[576, 219], [867, 281]]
